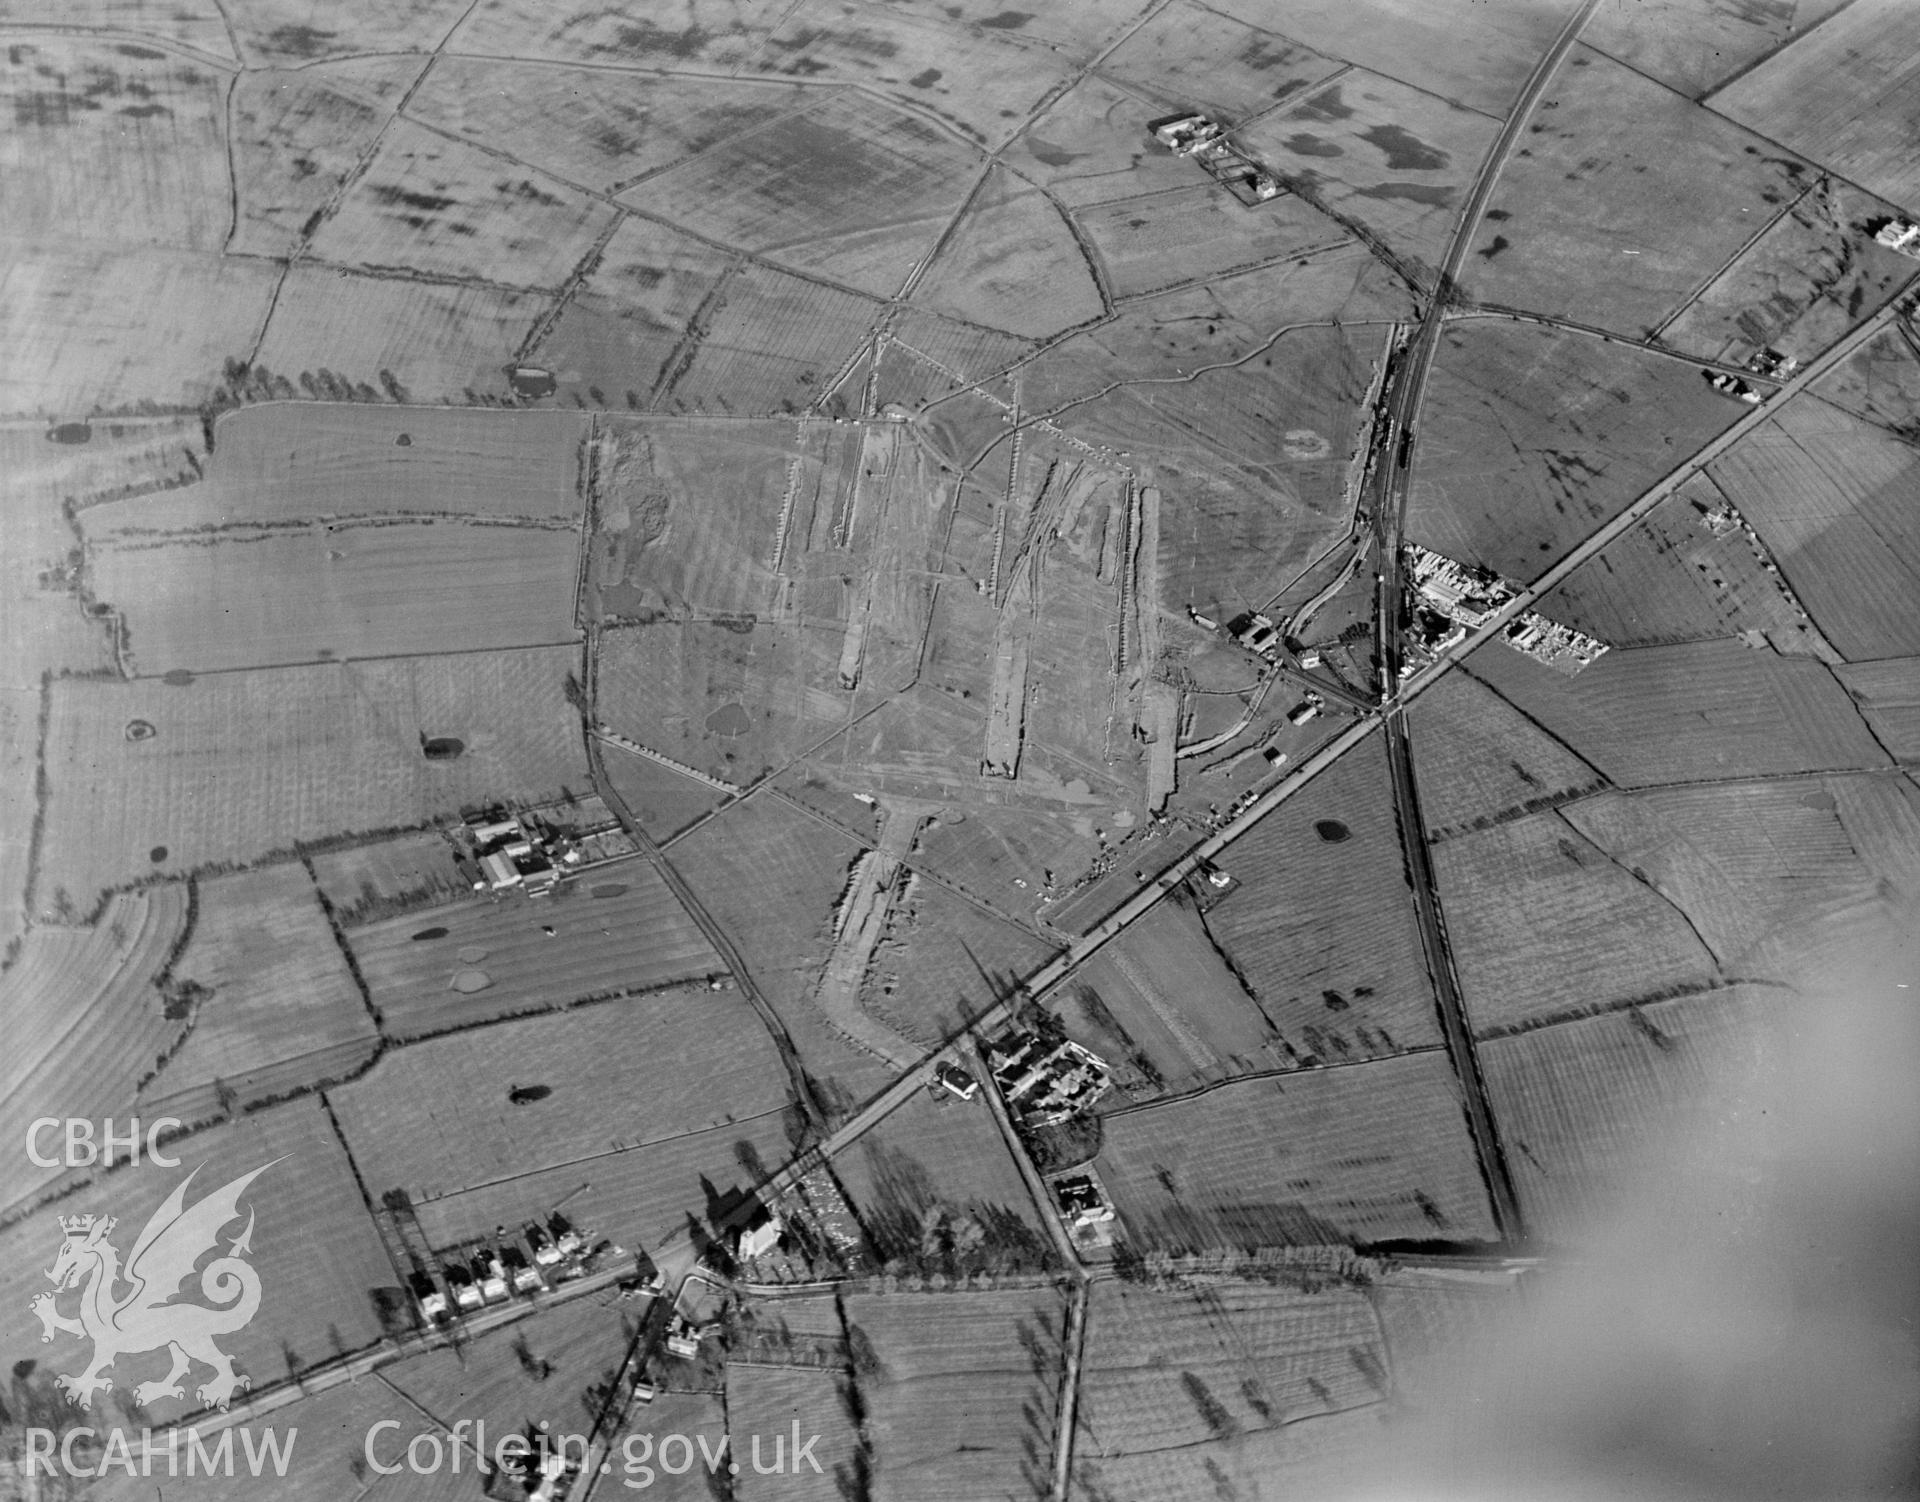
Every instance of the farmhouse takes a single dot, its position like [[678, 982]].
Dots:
[[1047, 1085], [517, 850]]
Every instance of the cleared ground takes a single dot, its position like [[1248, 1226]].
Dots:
[[1375, 1152], [281, 1009], [242, 764], [613, 932]]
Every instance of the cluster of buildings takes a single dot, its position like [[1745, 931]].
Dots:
[[508, 851], [1046, 1084], [1205, 140], [1902, 235], [494, 1269], [1454, 599], [1082, 1204]]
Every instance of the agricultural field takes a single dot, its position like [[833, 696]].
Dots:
[[1013, 263], [1091, 146], [1692, 713], [664, 802], [959, 1390], [1614, 163], [1438, 1321], [1186, 235], [1538, 918], [243, 764], [1679, 576], [1589, 1108], [1842, 94], [700, 1415], [87, 1020], [1166, 994], [1166, 1370], [251, 597], [845, 188], [1830, 495], [1190, 57], [1533, 437], [1320, 928], [1368, 1153], [1378, 152], [500, 1103], [1764, 868], [1322, 1458], [1480, 761], [935, 1188], [1888, 694], [1810, 276], [276, 1009], [940, 960], [317, 1292], [613, 932]]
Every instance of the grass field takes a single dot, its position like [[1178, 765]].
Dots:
[[257, 598], [1800, 286], [1378, 151], [850, 188], [925, 975], [767, 1401], [961, 1392], [242, 764], [316, 1291], [1831, 496], [611, 932], [415, 869], [1480, 761], [1880, 382], [434, 1117], [91, 326], [428, 204], [1375, 1152], [1691, 713], [296, 139], [717, 38], [663, 801], [1317, 1459], [594, 127], [442, 342], [1178, 237], [1322, 930], [1169, 1369], [283, 1010], [315, 461], [1615, 163], [1012, 263], [1435, 1320], [768, 342], [86, 1019], [1693, 47], [1843, 94], [1671, 579], [1612, 937], [1752, 864], [936, 1190], [1190, 57], [508, 1379], [1091, 146], [1888, 693], [1589, 1108], [1533, 437]]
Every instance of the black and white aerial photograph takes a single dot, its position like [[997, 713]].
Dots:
[[915, 751]]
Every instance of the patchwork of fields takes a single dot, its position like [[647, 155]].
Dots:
[[845, 459]]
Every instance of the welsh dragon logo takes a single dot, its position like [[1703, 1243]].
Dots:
[[144, 1318]]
